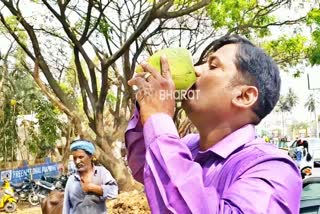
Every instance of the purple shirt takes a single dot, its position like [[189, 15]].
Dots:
[[239, 174]]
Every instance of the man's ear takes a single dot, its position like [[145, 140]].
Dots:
[[244, 96]]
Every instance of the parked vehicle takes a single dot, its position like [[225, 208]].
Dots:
[[310, 200], [314, 149], [7, 201], [34, 191], [301, 154], [43, 188], [59, 182], [23, 190]]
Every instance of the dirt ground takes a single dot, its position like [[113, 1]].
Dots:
[[129, 203]]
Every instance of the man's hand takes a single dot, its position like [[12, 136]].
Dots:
[[87, 186], [156, 91]]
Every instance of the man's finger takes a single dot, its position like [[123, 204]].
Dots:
[[141, 74], [148, 68], [165, 69], [137, 81], [146, 75]]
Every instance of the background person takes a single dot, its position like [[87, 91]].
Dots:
[[87, 190]]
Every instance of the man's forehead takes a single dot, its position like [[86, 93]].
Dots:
[[224, 54], [78, 152], [226, 49]]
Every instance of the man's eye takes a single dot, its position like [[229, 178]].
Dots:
[[212, 66]]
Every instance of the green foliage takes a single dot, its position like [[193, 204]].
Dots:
[[104, 28], [12, 22], [287, 51], [301, 125], [43, 140], [21, 96], [20, 55], [41, 136], [298, 126], [252, 19], [69, 91], [314, 16], [8, 131], [314, 20], [239, 16], [287, 102], [111, 98], [311, 103]]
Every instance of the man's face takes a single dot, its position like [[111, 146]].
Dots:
[[213, 88], [82, 160]]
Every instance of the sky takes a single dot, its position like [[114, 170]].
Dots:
[[300, 87]]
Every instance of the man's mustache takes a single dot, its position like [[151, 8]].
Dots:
[[79, 165]]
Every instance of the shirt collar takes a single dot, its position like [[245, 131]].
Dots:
[[77, 175], [233, 141]]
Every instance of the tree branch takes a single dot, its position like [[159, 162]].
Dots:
[[169, 15], [83, 83], [38, 56], [16, 38], [87, 23], [46, 91]]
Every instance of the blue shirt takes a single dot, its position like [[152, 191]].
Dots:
[[76, 201]]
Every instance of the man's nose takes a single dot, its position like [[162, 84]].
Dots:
[[77, 161], [198, 70]]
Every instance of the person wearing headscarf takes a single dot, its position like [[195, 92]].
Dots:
[[87, 190]]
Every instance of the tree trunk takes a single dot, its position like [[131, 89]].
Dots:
[[117, 168]]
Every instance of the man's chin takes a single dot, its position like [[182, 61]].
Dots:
[[82, 169]]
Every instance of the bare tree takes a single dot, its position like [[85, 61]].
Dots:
[[116, 32], [100, 42]]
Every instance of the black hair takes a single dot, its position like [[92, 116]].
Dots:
[[256, 68]]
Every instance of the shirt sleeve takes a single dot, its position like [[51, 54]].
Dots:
[[134, 141], [66, 199], [173, 179], [109, 185]]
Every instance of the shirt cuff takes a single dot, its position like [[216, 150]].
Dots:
[[157, 125], [134, 120], [109, 191]]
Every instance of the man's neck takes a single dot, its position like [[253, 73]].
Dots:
[[208, 138], [210, 134], [87, 172]]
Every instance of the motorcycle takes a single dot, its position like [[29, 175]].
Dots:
[[22, 191], [43, 188], [7, 201], [59, 182]]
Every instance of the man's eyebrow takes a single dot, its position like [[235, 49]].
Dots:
[[214, 57]]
